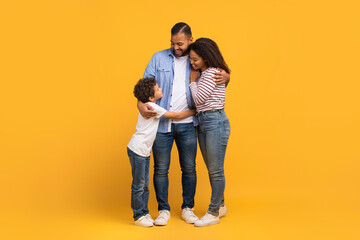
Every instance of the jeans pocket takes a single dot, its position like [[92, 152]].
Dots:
[[211, 125], [211, 117]]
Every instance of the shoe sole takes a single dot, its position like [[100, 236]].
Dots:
[[211, 223], [188, 221], [160, 224], [140, 225]]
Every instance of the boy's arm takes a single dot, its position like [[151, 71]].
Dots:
[[179, 115]]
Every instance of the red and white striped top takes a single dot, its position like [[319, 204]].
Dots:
[[206, 94]]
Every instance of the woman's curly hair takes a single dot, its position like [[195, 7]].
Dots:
[[144, 89]]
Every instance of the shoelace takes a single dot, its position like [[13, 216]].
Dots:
[[205, 216], [163, 215], [192, 214]]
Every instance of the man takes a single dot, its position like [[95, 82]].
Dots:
[[171, 68]]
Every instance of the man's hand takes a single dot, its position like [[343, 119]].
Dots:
[[222, 77], [194, 75], [146, 110]]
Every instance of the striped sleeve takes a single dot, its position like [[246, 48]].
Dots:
[[202, 90]]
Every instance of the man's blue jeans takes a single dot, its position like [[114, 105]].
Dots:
[[184, 135], [213, 134], [140, 183]]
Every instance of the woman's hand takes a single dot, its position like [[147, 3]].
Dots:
[[194, 75]]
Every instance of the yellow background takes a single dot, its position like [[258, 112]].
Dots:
[[67, 71]]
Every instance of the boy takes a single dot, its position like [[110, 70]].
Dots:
[[139, 148]]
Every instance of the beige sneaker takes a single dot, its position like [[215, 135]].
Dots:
[[188, 215], [207, 220], [148, 216], [222, 211], [163, 218], [143, 222]]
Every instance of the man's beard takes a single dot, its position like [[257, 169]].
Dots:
[[183, 53]]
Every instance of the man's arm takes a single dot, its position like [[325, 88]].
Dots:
[[150, 69], [222, 77], [145, 109], [179, 115]]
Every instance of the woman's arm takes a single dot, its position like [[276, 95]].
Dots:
[[202, 90]]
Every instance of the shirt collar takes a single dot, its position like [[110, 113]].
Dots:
[[170, 52]]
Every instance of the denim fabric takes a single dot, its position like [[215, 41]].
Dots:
[[161, 67], [213, 134], [140, 183], [184, 135]]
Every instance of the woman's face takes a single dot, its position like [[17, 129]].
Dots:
[[197, 62]]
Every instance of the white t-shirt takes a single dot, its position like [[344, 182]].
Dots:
[[178, 101], [142, 140]]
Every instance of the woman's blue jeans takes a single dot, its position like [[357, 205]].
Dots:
[[140, 183], [213, 134], [184, 135]]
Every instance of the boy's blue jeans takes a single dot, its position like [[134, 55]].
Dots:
[[184, 135], [213, 134], [140, 183]]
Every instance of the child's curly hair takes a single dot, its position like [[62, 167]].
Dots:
[[144, 89]]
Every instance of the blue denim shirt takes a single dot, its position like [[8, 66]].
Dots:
[[161, 67]]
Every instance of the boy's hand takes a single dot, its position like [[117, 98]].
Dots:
[[146, 110], [222, 77], [194, 75]]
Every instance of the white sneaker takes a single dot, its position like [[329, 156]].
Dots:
[[163, 218], [148, 216], [222, 211], [207, 220], [143, 222], [188, 215]]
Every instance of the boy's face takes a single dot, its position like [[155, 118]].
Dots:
[[157, 92]]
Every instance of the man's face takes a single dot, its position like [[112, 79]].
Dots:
[[180, 43]]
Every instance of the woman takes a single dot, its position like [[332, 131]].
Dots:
[[214, 126]]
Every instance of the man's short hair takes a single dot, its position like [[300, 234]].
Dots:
[[181, 27], [144, 89]]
